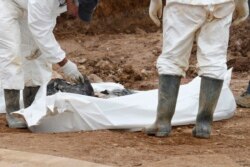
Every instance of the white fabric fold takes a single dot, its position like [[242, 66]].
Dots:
[[66, 112]]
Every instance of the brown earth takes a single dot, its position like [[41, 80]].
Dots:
[[127, 53]]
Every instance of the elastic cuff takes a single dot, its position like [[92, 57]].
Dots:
[[63, 62]]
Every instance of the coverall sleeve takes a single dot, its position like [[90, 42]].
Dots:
[[41, 21]]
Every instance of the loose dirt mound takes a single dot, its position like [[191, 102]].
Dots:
[[239, 47], [131, 17], [127, 59]]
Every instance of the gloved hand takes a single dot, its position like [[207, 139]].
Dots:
[[155, 11], [242, 11], [71, 72]]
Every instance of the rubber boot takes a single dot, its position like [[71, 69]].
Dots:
[[29, 94], [167, 98], [210, 90], [12, 104], [244, 99]]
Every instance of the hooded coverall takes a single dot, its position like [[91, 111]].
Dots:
[[28, 49], [206, 20], [28, 46]]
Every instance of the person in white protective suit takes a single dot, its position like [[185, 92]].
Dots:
[[184, 20], [28, 48]]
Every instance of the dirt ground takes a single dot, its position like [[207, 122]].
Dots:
[[128, 56]]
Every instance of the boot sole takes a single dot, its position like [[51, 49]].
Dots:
[[158, 134], [243, 105], [202, 136], [18, 127]]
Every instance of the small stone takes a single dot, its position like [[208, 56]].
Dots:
[[104, 65], [140, 31], [179, 129], [115, 145], [143, 71], [82, 67], [248, 54], [82, 61], [94, 78]]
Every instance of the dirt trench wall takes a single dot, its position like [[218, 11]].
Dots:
[[131, 16], [113, 16], [108, 8], [124, 16]]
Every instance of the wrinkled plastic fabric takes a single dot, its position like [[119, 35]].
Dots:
[[65, 112]]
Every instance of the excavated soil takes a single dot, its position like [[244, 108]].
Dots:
[[125, 51]]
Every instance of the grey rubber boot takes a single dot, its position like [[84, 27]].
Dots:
[[210, 90], [167, 98], [29, 94], [244, 99], [12, 104]]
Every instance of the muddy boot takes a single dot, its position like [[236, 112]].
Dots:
[[12, 104], [29, 94], [244, 99], [167, 97], [210, 90]]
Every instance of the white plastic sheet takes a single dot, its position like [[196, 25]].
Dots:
[[66, 112]]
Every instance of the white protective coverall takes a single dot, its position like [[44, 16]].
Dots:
[[206, 20], [28, 47]]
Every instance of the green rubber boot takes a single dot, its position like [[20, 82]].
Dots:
[[167, 98], [29, 94], [244, 99], [210, 90], [12, 104]]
